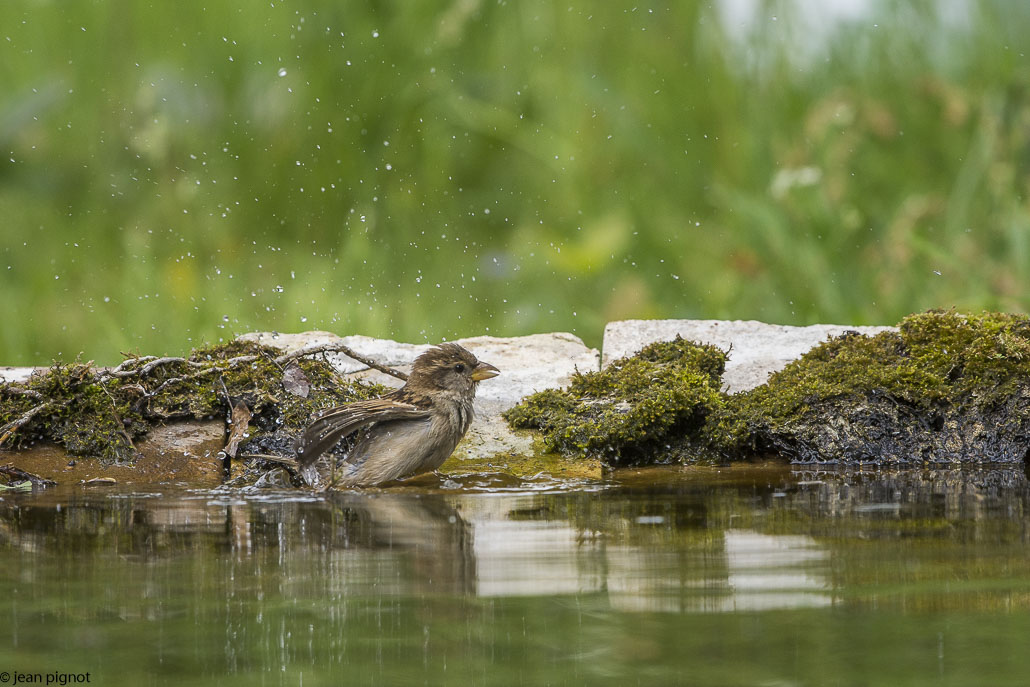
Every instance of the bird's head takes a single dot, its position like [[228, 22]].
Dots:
[[449, 367]]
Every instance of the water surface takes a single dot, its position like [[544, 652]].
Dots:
[[713, 577]]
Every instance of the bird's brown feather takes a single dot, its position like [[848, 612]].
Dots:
[[330, 428]]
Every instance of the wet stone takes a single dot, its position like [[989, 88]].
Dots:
[[15, 374], [755, 349]]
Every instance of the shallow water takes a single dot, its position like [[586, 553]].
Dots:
[[700, 577]]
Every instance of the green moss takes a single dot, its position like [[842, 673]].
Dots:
[[944, 387], [93, 412], [77, 412], [642, 409]]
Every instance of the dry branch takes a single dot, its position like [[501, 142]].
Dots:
[[11, 427], [18, 473], [337, 347]]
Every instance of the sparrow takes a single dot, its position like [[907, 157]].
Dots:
[[408, 431]]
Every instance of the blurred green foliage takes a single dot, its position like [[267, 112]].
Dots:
[[177, 173]]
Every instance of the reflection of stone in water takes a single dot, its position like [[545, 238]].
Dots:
[[757, 572], [535, 558], [775, 572], [540, 555], [529, 557], [648, 580]]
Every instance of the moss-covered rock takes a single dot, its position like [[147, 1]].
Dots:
[[98, 412], [945, 388], [648, 408]]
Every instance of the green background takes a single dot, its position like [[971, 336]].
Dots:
[[177, 173]]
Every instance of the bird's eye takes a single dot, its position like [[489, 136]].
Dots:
[[460, 367]]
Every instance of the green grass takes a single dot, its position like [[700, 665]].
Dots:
[[161, 185]]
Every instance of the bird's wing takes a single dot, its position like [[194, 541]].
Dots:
[[326, 431]]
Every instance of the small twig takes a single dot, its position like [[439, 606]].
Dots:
[[14, 425], [21, 391], [132, 358], [120, 371], [152, 362], [282, 460], [18, 473], [337, 347], [148, 368]]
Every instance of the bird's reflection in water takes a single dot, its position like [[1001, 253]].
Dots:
[[409, 543]]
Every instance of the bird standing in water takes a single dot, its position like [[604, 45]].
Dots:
[[408, 431]]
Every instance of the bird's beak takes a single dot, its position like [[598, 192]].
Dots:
[[484, 371]]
